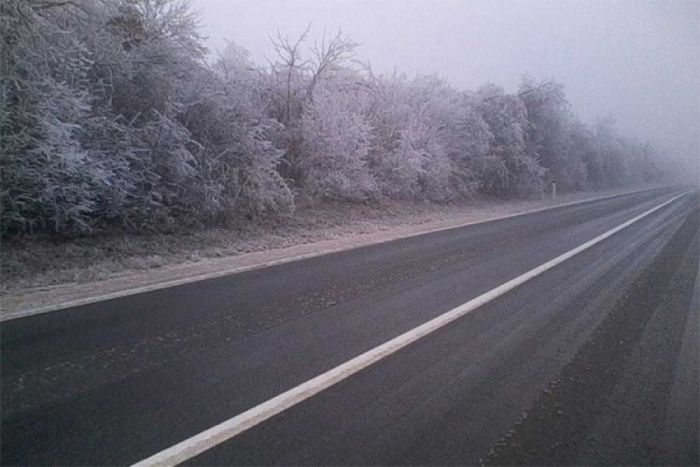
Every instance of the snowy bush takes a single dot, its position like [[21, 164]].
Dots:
[[336, 143]]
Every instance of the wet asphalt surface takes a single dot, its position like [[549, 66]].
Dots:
[[592, 362]]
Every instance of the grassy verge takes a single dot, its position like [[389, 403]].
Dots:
[[31, 263]]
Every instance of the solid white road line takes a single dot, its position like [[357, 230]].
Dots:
[[6, 316], [228, 429]]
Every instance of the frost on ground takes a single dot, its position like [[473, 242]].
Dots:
[[45, 273]]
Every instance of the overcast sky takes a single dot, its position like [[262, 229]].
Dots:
[[638, 61]]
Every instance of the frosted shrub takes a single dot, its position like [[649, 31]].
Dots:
[[112, 116], [336, 145]]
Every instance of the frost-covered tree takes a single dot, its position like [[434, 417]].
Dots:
[[583, 168], [294, 75], [508, 169], [53, 178], [414, 154], [336, 147], [549, 118], [237, 158], [611, 149]]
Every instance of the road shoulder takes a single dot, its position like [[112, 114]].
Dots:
[[28, 301]]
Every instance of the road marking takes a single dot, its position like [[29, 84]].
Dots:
[[6, 316], [226, 430]]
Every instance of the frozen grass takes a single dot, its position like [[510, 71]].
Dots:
[[32, 266]]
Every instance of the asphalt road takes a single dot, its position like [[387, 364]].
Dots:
[[594, 361]]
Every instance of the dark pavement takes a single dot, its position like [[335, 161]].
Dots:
[[117, 381]]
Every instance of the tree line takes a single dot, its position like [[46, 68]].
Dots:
[[113, 115]]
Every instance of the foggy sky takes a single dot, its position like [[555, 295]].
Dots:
[[638, 61]]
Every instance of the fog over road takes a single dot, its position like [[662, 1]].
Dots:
[[593, 361]]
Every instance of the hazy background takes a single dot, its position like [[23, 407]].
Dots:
[[638, 61]]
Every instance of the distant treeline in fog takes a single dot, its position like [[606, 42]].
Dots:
[[112, 115]]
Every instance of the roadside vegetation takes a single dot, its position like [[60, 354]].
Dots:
[[114, 118], [29, 263]]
